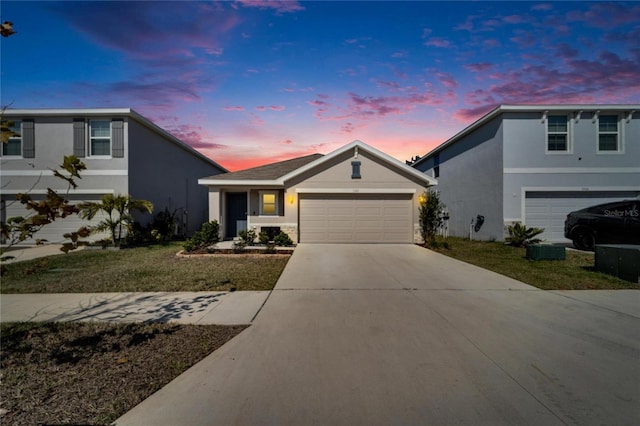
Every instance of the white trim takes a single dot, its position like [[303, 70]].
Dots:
[[560, 170], [355, 191], [18, 173], [247, 183], [371, 150], [59, 191], [256, 224], [619, 134]]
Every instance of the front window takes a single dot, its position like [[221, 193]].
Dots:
[[13, 147], [269, 203], [608, 134], [100, 139], [557, 133]]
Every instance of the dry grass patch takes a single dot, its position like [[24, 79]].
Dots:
[[153, 268], [575, 273], [92, 373]]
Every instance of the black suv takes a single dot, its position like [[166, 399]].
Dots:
[[617, 223]]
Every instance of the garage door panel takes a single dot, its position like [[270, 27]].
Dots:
[[548, 210], [361, 218]]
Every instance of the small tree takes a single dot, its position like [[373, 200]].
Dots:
[[431, 217], [118, 209]]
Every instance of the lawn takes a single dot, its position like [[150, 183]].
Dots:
[[93, 373], [153, 268], [575, 273]]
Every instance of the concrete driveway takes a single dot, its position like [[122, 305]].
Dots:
[[396, 334]]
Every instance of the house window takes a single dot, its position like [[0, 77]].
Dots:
[[13, 147], [557, 133], [100, 138], [608, 133], [436, 166], [269, 203]]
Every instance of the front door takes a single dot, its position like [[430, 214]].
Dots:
[[236, 213]]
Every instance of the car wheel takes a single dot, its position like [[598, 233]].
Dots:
[[583, 239]]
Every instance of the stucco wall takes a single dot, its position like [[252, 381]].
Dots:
[[167, 175], [470, 181]]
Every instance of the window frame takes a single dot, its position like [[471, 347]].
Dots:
[[619, 144], [568, 133], [90, 139], [276, 204], [17, 127]]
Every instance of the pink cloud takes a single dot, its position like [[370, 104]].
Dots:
[[513, 19], [280, 6], [287, 142], [261, 108], [606, 15], [233, 108], [437, 42], [447, 80], [277, 108], [193, 136]]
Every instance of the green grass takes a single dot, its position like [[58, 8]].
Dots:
[[575, 273], [153, 268]]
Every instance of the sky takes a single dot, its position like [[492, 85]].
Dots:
[[253, 82]]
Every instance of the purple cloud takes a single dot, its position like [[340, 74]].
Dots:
[[280, 6], [193, 136], [233, 108], [479, 67], [437, 42]]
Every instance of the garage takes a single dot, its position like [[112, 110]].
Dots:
[[53, 232], [356, 218], [549, 209]]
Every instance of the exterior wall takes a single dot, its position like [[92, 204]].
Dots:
[[335, 175], [54, 140], [167, 175], [471, 180], [529, 168]]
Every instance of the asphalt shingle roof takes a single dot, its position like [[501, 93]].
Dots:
[[268, 171]]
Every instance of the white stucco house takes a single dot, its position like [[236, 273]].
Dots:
[[534, 164], [355, 194], [125, 153]]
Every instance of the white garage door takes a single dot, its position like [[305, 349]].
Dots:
[[53, 232], [349, 218], [548, 209]]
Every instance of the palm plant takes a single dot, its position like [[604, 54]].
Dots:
[[521, 236], [118, 209]]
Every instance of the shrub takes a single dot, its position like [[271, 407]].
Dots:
[[263, 238], [239, 247], [521, 236], [282, 239], [270, 249], [248, 237], [208, 235]]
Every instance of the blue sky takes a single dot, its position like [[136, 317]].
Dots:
[[251, 82]]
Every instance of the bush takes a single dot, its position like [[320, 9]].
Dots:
[[521, 236], [282, 239], [263, 238], [431, 217], [248, 237], [239, 247], [270, 249], [207, 236]]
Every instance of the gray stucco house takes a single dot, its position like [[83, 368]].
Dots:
[[355, 194], [125, 153], [534, 164]]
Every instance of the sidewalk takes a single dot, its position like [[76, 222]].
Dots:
[[21, 254], [224, 308]]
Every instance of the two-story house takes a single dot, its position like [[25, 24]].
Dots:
[[534, 164], [125, 153]]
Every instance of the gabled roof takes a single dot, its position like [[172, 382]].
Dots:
[[102, 112], [266, 175], [271, 171], [525, 108]]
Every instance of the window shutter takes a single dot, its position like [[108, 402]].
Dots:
[[28, 139], [117, 132], [78, 138]]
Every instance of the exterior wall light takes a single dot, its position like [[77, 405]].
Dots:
[[422, 199], [291, 199]]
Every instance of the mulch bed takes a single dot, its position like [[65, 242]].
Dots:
[[92, 373]]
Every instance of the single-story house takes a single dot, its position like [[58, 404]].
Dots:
[[355, 194]]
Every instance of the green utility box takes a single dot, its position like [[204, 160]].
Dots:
[[621, 260], [545, 252]]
